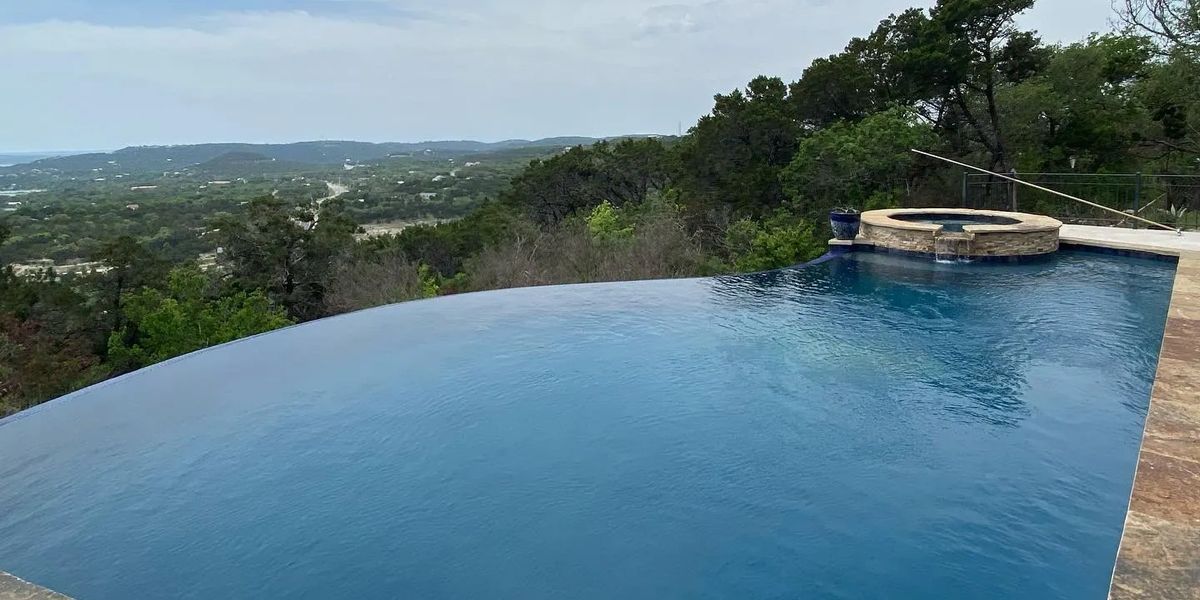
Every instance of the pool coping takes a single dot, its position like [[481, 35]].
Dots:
[[1168, 243], [15, 588], [1025, 222]]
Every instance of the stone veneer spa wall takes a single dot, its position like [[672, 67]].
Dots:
[[966, 233]]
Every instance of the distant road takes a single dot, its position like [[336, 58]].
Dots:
[[335, 190]]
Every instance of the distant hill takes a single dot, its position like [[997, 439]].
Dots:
[[237, 158], [16, 158], [246, 163], [177, 158]]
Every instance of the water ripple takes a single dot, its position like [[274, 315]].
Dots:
[[867, 427]]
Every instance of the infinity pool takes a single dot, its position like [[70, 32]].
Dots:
[[863, 428]]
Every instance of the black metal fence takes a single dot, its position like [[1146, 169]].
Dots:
[[1169, 199]]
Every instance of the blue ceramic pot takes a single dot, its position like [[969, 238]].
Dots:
[[845, 225]]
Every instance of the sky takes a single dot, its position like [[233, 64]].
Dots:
[[104, 74]]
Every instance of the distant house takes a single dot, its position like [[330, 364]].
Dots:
[[133, 206], [138, 188], [428, 195], [439, 178]]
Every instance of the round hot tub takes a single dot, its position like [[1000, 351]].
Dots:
[[962, 232]]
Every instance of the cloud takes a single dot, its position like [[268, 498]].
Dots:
[[420, 69], [669, 19]]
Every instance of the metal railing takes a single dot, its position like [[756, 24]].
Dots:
[[1133, 214], [1173, 200]]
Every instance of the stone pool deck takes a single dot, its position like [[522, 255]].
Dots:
[[1139, 240], [1160, 548], [15, 588]]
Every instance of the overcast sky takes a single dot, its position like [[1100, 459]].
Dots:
[[102, 74]]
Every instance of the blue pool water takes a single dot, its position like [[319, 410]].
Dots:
[[868, 427], [953, 222]]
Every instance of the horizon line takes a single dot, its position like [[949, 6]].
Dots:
[[308, 141]]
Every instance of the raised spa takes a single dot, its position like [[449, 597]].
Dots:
[[961, 233]]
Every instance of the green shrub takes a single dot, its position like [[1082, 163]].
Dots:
[[780, 240]]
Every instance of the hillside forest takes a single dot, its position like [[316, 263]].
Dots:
[[174, 249]]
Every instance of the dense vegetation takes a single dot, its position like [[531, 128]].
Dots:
[[746, 189], [170, 210]]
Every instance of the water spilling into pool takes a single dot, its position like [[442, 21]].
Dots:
[[867, 427]]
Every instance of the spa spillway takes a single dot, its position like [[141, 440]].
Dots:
[[962, 233]]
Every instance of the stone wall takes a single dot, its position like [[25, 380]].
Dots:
[[1023, 243], [911, 240], [1008, 243]]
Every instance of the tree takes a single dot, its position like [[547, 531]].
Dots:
[[732, 157], [1171, 94], [949, 65], [865, 78], [378, 279], [1174, 23], [969, 50], [289, 253], [781, 240], [48, 340], [1082, 111], [606, 224], [445, 247], [187, 317], [38, 363], [847, 164], [581, 178], [129, 266], [833, 89]]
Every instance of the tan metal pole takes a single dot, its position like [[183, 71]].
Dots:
[[1050, 191]]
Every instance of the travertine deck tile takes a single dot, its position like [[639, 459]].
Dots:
[[1158, 561], [15, 588]]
